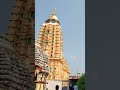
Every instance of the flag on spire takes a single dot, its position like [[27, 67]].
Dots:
[[54, 11]]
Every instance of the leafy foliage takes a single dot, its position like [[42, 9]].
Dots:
[[81, 82]]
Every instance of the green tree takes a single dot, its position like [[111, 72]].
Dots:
[[81, 82]]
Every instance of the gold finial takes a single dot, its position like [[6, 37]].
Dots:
[[54, 12]]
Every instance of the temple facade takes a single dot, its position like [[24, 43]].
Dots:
[[51, 41]]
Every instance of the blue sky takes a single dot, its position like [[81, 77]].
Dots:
[[71, 14]]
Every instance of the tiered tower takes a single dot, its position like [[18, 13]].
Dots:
[[21, 31], [50, 40]]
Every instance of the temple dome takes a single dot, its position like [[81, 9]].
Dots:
[[53, 17], [41, 57]]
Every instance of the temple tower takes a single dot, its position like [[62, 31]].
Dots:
[[21, 32], [50, 39]]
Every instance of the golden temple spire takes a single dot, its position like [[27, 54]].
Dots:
[[54, 11]]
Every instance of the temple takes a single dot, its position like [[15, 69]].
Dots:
[[51, 41]]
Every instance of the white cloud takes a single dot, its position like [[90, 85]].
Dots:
[[74, 57]]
